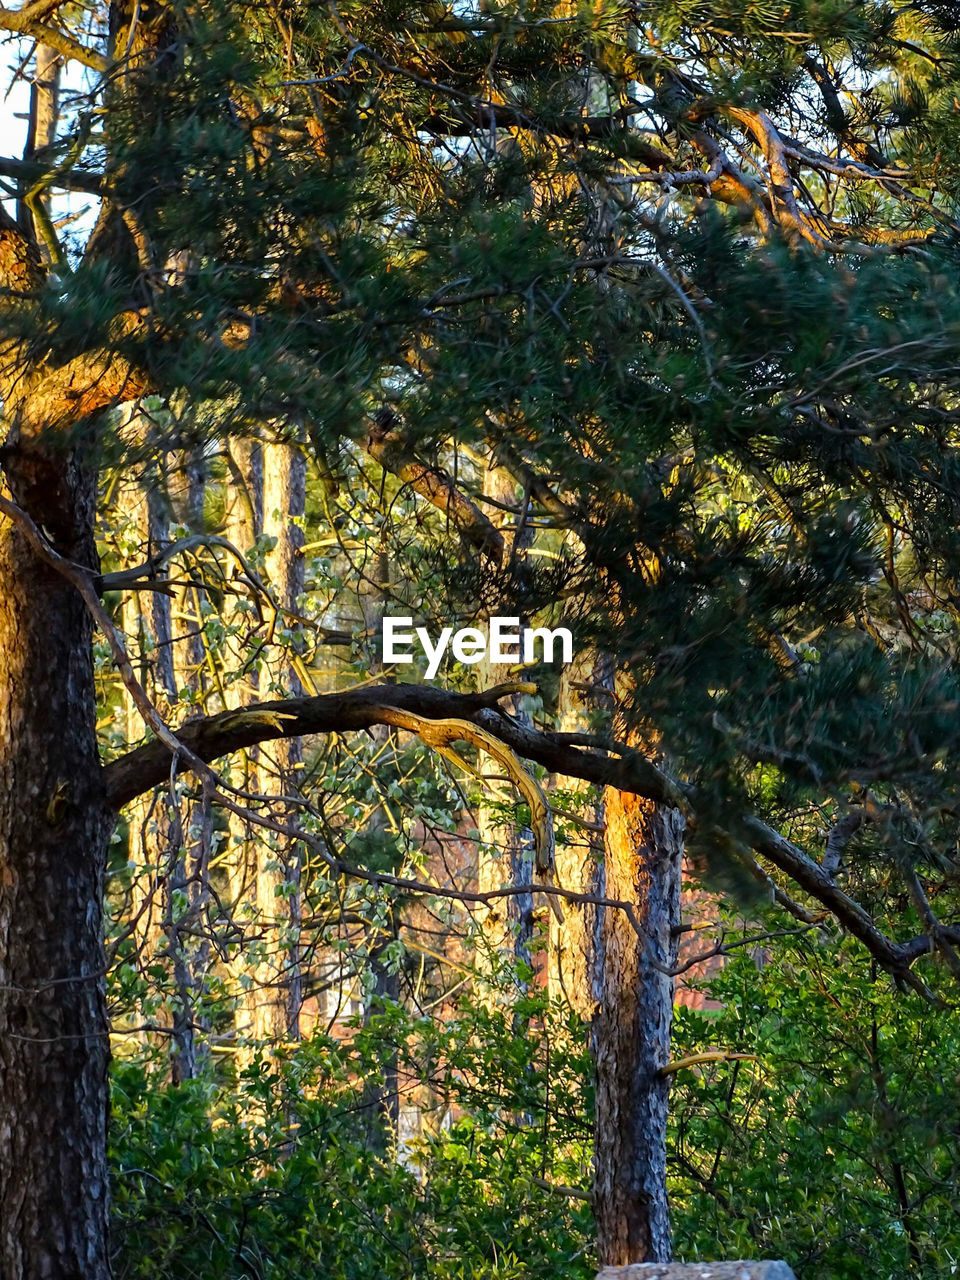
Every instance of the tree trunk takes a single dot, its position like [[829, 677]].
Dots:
[[506, 854], [575, 941], [190, 822], [631, 1031], [54, 827], [278, 986], [147, 626], [241, 683], [380, 1099]]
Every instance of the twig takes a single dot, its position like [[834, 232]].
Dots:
[[712, 1055]]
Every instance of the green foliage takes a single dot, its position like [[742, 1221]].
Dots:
[[754, 437], [838, 1149], [274, 1174], [461, 222], [207, 1181]]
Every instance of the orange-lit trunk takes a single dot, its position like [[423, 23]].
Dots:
[[631, 1029]]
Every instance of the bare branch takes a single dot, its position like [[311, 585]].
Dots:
[[362, 708], [838, 838], [711, 1055], [65, 177], [198, 742], [942, 936]]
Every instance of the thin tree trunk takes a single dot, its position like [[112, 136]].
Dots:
[[277, 988], [507, 854], [575, 941], [54, 827], [380, 1099], [189, 825], [146, 618], [244, 523], [43, 118]]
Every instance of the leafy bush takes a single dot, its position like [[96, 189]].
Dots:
[[838, 1148]]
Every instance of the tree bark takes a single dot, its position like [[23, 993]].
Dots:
[[42, 131], [278, 988], [147, 620], [380, 1098], [241, 682], [190, 825], [575, 941], [54, 827], [631, 1030], [614, 977]]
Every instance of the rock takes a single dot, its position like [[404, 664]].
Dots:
[[699, 1271]]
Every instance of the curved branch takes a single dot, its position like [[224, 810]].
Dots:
[[199, 742], [389, 450], [407, 705], [22, 22], [210, 737], [711, 1055], [440, 733]]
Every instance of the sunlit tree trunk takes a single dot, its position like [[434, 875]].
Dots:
[[626, 849], [506, 852], [380, 1099], [629, 850], [143, 526], [630, 1034], [241, 686], [190, 821], [574, 941], [43, 117], [277, 987]]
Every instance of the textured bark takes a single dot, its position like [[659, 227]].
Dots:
[[277, 990], [631, 1030], [575, 941], [54, 821], [54, 825]]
